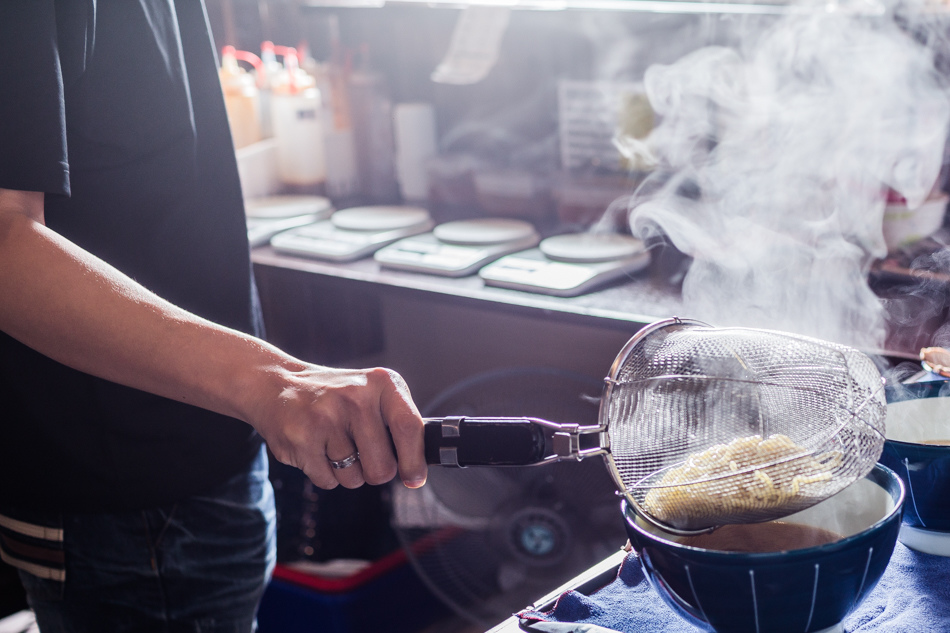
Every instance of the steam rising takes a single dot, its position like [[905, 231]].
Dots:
[[773, 159]]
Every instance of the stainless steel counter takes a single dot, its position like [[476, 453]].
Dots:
[[638, 299], [588, 582]]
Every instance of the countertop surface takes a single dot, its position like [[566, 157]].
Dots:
[[635, 299], [640, 298]]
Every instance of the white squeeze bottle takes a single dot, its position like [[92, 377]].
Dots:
[[297, 123], [241, 96], [271, 73]]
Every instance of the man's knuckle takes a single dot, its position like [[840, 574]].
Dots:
[[321, 480], [380, 474]]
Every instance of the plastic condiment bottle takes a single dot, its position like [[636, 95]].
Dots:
[[270, 74], [342, 174], [416, 142], [297, 123], [241, 96]]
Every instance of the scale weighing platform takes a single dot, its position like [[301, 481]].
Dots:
[[269, 216], [460, 248], [353, 233], [568, 265]]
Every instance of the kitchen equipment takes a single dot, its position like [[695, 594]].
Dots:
[[353, 233], [460, 248], [241, 95], [487, 540], [416, 142], [680, 390], [801, 590], [569, 265], [270, 215], [343, 177], [918, 450], [296, 110], [373, 135]]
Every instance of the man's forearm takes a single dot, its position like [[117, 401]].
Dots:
[[71, 306]]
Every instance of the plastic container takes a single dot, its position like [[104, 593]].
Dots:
[[257, 167], [415, 138], [271, 73], [297, 121], [241, 96], [386, 595], [373, 137], [342, 175]]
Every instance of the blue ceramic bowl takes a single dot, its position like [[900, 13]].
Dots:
[[800, 590], [919, 413]]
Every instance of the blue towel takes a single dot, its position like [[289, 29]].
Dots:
[[913, 595]]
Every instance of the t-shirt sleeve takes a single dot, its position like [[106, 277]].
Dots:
[[32, 112]]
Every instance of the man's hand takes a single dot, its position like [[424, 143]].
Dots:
[[318, 414], [65, 303]]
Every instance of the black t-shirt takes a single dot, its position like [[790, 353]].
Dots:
[[114, 110]]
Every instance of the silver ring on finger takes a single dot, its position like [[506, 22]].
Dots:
[[346, 462]]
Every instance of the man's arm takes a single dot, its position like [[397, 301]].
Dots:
[[71, 306]]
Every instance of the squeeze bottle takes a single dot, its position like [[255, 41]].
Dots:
[[241, 96], [297, 123]]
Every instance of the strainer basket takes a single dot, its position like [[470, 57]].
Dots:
[[702, 426], [709, 426]]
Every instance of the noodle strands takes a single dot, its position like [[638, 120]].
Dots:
[[747, 475]]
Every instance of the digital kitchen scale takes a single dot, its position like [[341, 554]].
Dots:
[[353, 233], [568, 265], [460, 248], [270, 215]]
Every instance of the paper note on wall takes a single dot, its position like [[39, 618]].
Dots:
[[473, 50]]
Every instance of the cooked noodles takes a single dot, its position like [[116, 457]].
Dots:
[[768, 474]]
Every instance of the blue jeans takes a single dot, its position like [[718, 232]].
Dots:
[[200, 565]]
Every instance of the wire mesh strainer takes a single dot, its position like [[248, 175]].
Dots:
[[703, 426], [710, 426]]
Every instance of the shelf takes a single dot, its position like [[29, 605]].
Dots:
[[865, 7]]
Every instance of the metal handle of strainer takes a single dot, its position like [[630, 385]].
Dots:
[[462, 441]]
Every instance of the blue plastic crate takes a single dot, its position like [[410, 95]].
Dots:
[[386, 596]]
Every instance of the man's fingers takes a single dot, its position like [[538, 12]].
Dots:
[[347, 468], [407, 430], [320, 474], [349, 425]]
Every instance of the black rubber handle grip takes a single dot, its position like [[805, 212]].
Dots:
[[484, 441]]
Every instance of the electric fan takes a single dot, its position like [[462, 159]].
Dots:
[[490, 540]]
